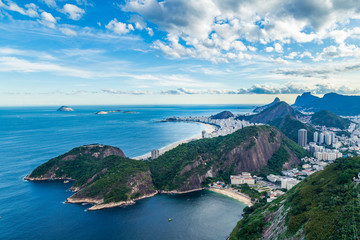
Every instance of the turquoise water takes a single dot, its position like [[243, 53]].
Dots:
[[33, 135]]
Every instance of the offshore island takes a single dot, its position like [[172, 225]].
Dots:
[[302, 191]]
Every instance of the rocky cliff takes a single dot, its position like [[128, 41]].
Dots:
[[191, 166]]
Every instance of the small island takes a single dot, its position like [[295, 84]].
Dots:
[[65, 109], [106, 112]]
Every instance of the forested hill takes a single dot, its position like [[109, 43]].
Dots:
[[252, 149], [325, 206], [329, 119]]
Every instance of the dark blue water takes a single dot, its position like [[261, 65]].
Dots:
[[31, 136]]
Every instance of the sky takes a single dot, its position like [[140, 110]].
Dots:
[[86, 52]]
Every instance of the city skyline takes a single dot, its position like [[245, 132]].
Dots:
[[85, 52]]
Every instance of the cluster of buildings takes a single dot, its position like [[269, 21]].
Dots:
[[223, 126], [325, 137], [243, 178]]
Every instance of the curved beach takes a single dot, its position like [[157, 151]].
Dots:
[[233, 194], [209, 129]]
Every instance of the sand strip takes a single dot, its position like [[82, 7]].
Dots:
[[233, 194]]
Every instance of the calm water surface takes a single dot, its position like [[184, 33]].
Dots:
[[30, 136]]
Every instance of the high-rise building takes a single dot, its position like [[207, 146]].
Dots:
[[327, 138], [155, 153], [333, 137], [302, 137], [321, 138], [316, 137]]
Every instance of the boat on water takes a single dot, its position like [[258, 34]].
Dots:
[[169, 219]]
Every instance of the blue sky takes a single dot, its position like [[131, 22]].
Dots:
[[55, 52]]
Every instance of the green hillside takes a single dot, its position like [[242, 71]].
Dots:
[[289, 125], [324, 206], [329, 119]]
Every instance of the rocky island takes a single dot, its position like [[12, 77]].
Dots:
[[65, 109], [103, 175]]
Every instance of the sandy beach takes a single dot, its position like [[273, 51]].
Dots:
[[233, 194], [209, 129]]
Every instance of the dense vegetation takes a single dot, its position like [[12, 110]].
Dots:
[[114, 184], [289, 125], [100, 178], [324, 206], [329, 119]]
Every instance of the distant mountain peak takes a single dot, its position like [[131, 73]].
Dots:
[[337, 103], [269, 114], [262, 108], [305, 99]]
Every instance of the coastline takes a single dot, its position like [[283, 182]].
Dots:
[[232, 194], [209, 129]]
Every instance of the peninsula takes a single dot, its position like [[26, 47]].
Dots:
[[103, 176]]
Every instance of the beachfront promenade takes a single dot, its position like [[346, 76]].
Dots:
[[214, 128]]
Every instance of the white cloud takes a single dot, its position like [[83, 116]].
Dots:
[[73, 11], [269, 49], [47, 19], [49, 3], [278, 48], [119, 27], [208, 29], [30, 10], [68, 32]]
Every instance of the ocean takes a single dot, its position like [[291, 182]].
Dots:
[[30, 136]]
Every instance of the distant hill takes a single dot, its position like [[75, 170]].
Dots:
[[336, 103], [289, 125], [262, 108], [329, 119], [305, 99], [325, 206], [222, 115], [278, 110]]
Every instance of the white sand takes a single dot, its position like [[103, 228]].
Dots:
[[233, 194], [209, 129]]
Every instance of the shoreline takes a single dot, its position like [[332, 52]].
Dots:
[[232, 194], [209, 129]]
